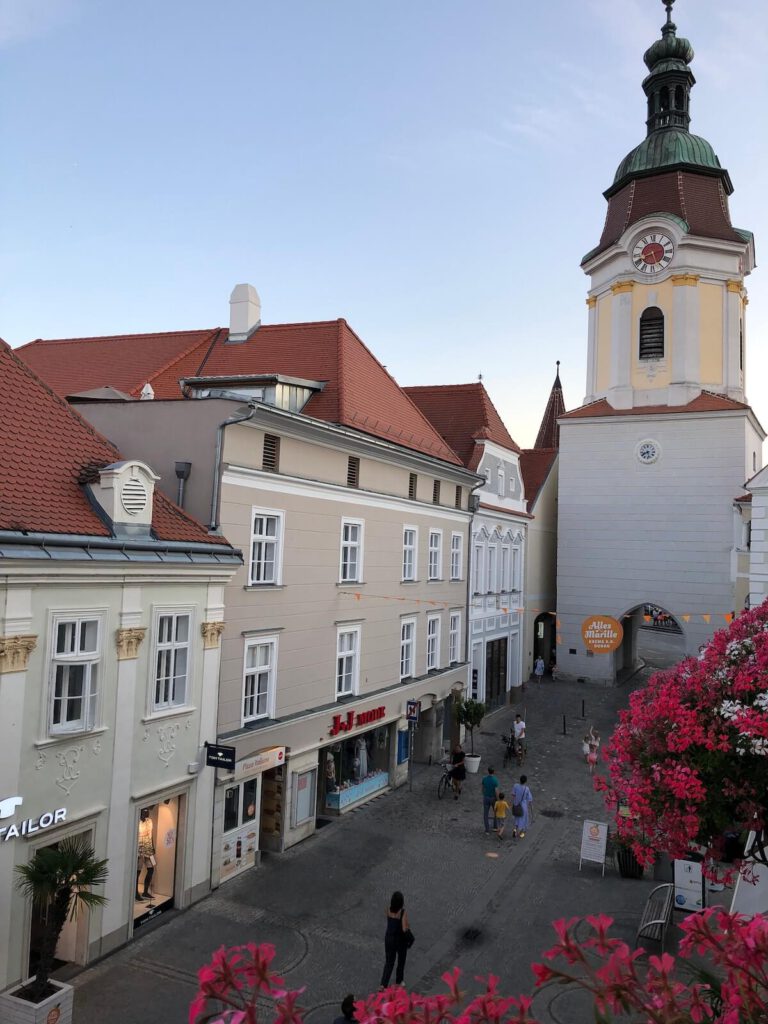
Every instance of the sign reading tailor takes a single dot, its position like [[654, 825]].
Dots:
[[217, 756], [354, 719], [601, 634], [29, 826]]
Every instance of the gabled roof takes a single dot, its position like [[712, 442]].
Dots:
[[535, 464], [707, 401], [549, 431], [358, 392], [463, 414], [45, 447]]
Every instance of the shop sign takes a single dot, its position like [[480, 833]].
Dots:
[[238, 851], [260, 762], [30, 825], [412, 710], [601, 634], [217, 756], [355, 719]]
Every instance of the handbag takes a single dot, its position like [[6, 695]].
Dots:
[[408, 938], [517, 810]]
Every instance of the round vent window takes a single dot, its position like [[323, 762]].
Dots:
[[134, 497]]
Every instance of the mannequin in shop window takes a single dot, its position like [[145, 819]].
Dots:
[[146, 855], [330, 773], [361, 755]]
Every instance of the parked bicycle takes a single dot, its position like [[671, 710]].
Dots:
[[446, 780]]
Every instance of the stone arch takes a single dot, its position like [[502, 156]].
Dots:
[[652, 635]]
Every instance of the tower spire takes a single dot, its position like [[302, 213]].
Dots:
[[549, 431]]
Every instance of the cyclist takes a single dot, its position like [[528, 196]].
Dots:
[[458, 771]]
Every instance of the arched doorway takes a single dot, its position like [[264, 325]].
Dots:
[[544, 637], [652, 637]]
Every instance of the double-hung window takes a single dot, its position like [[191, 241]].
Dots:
[[504, 581], [433, 642], [500, 483], [457, 551], [516, 569], [347, 661], [407, 642], [454, 638], [266, 547], [435, 554], [351, 568], [259, 672], [75, 665], [477, 569], [410, 546], [491, 568], [172, 660]]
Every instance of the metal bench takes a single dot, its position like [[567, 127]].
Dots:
[[657, 913]]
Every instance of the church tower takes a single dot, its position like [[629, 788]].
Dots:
[[665, 440]]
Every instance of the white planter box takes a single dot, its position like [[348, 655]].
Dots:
[[472, 763], [56, 1009]]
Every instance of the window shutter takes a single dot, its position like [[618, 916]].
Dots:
[[436, 492], [652, 333], [412, 486], [271, 459], [353, 471], [457, 501]]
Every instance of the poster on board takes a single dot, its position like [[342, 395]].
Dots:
[[749, 898], [689, 886], [594, 839]]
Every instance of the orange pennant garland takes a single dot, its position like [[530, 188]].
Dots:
[[706, 617]]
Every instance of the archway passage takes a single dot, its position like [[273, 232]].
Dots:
[[544, 637], [653, 637]]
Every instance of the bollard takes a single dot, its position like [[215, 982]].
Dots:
[[564, 732], [583, 710]]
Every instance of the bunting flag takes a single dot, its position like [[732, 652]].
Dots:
[[647, 618], [559, 639], [557, 621], [706, 617], [728, 616], [686, 618]]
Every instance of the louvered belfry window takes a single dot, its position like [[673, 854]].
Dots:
[[458, 496], [353, 471], [436, 492], [652, 333], [412, 479], [271, 459]]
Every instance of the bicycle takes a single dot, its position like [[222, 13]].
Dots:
[[446, 780], [513, 749]]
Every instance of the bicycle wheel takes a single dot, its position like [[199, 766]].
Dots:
[[442, 786]]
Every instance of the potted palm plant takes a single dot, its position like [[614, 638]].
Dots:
[[59, 881], [470, 714]]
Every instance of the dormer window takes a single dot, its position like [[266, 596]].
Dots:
[[652, 333], [124, 494]]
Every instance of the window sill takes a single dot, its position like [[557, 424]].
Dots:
[[350, 583], [455, 579], [66, 737], [264, 586], [408, 583], [437, 579], [186, 709]]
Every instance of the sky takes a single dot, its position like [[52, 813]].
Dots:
[[430, 170]]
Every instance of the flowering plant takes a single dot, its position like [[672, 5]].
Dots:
[[688, 761], [618, 981]]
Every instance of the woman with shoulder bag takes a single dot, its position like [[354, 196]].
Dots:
[[398, 938], [522, 799]]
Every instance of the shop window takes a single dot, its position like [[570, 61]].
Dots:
[[435, 553], [403, 746], [156, 843], [351, 568], [407, 642], [347, 661], [266, 547], [75, 664], [433, 643], [304, 796], [355, 768], [457, 553], [259, 678], [239, 841], [454, 638], [172, 658], [410, 547]]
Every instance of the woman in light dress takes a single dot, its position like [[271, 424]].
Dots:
[[521, 800]]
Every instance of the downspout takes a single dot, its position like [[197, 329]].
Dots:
[[216, 490], [470, 546]]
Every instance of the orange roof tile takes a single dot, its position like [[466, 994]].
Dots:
[[462, 413], [535, 464], [707, 401], [44, 447]]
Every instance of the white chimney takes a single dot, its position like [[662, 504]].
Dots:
[[244, 312]]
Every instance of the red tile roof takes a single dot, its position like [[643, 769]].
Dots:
[[44, 447], [358, 393], [744, 498], [707, 401], [535, 464], [462, 413]]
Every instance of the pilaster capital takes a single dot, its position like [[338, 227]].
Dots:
[[685, 280], [211, 634], [734, 286], [622, 286], [591, 301], [15, 652], [128, 642]]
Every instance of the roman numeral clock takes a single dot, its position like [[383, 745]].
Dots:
[[653, 253]]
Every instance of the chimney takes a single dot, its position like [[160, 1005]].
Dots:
[[244, 313]]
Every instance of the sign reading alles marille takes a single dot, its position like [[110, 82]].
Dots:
[[30, 825], [601, 634]]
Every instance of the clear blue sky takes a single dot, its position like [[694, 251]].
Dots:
[[431, 170]]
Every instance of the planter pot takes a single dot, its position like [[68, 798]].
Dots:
[[629, 865], [472, 763], [54, 1009]]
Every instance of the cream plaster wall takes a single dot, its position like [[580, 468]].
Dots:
[[711, 319], [541, 564], [603, 343]]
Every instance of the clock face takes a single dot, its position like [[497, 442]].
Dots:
[[647, 452], [653, 253]]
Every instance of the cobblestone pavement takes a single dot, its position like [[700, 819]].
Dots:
[[483, 905]]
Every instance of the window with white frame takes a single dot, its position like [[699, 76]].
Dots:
[[75, 663], [266, 547], [410, 546], [433, 642], [491, 569], [504, 577], [407, 644], [516, 568], [435, 553], [454, 638], [347, 661], [172, 660], [500, 483], [259, 673], [351, 569], [457, 552], [304, 801], [477, 569]]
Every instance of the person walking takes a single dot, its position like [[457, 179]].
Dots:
[[490, 796], [500, 809], [347, 1011], [458, 771], [395, 947], [521, 806], [538, 669], [594, 746]]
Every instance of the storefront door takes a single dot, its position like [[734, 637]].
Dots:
[[240, 840], [155, 865], [496, 672]]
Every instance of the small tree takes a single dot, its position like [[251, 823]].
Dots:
[[470, 714], [59, 881]]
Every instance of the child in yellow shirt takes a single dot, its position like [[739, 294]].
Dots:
[[500, 809]]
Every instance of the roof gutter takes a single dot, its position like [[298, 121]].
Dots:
[[66, 540], [216, 490]]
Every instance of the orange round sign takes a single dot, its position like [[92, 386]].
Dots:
[[601, 634]]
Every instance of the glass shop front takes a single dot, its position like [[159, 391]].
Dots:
[[354, 768]]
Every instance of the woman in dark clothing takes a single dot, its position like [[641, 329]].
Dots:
[[394, 940], [459, 771]]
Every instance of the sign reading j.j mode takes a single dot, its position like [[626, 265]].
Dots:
[[30, 825]]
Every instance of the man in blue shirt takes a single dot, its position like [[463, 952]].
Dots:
[[490, 793]]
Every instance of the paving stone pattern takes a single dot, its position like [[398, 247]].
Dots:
[[473, 901]]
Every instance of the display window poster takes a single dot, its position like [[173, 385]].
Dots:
[[689, 886], [238, 851]]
